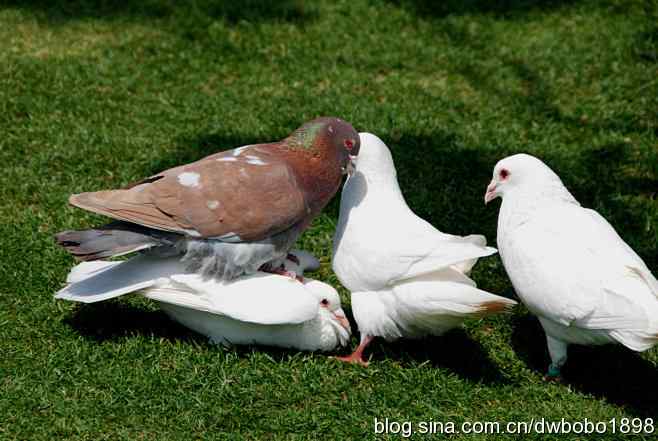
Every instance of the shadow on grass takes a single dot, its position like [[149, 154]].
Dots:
[[454, 351], [506, 8], [610, 372], [113, 320], [538, 100], [199, 11], [646, 45]]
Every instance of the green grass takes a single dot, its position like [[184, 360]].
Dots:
[[95, 94]]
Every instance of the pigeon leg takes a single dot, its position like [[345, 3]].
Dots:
[[357, 356], [558, 352], [281, 271]]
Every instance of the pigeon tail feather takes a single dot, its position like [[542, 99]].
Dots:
[[112, 240], [95, 283], [496, 307]]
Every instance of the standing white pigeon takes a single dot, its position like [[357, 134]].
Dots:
[[261, 308], [406, 278], [568, 265]]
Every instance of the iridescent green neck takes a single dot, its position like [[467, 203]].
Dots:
[[305, 136]]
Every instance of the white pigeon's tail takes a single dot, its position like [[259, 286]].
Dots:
[[433, 306], [99, 280], [91, 282], [426, 305]]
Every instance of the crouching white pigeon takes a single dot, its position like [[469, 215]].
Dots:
[[568, 264], [406, 278], [261, 308]]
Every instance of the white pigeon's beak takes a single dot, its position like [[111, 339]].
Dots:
[[351, 165], [491, 193], [339, 316]]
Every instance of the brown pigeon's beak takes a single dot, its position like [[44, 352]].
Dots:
[[491, 194], [340, 318]]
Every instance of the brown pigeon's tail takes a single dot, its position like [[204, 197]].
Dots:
[[114, 239]]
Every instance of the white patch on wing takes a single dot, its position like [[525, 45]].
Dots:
[[226, 159], [236, 152], [189, 179], [331, 129], [193, 233], [255, 160], [212, 204], [228, 237]]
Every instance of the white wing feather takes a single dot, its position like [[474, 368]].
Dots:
[[375, 256], [426, 254], [569, 265], [258, 298], [102, 282], [85, 270]]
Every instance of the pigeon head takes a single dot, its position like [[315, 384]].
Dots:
[[521, 171], [334, 323], [375, 159], [327, 133]]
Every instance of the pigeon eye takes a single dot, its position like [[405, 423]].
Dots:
[[349, 144], [504, 173], [324, 302]]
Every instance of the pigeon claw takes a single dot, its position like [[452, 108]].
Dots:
[[556, 379], [281, 271], [356, 357], [353, 359], [554, 375]]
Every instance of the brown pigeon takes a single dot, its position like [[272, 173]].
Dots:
[[230, 213]]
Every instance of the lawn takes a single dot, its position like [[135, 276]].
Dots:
[[96, 94]]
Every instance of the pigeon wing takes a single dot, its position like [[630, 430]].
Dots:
[[243, 194], [421, 249], [570, 266], [259, 298]]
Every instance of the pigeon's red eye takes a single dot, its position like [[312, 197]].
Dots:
[[504, 173], [349, 144], [324, 302]]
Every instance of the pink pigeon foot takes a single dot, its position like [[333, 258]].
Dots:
[[356, 357], [556, 379], [281, 271]]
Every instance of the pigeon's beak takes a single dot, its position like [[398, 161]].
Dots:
[[339, 315], [351, 165], [491, 193]]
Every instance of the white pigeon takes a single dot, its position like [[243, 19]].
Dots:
[[568, 264], [406, 278], [261, 308]]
